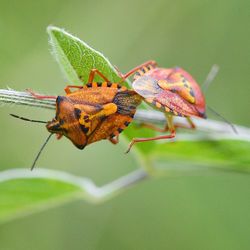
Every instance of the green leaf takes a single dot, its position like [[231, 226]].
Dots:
[[224, 155], [76, 58], [23, 192], [19, 197]]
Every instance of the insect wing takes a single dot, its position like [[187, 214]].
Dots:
[[147, 87]]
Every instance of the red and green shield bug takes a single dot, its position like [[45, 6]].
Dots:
[[172, 91], [93, 112]]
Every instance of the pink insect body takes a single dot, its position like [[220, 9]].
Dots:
[[171, 90]]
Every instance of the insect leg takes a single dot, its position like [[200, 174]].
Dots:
[[132, 71], [114, 140], [190, 122], [172, 134], [90, 80], [38, 96], [68, 87], [92, 75], [153, 127], [59, 136], [166, 128]]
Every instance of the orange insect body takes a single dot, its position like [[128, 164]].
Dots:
[[94, 112]]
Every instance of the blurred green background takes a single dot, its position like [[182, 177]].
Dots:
[[204, 212]]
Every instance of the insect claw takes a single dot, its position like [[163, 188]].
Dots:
[[119, 72], [122, 76], [130, 146], [127, 151], [59, 136]]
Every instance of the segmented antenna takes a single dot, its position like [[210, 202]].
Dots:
[[40, 151], [44, 144], [224, 119], [26, 119]]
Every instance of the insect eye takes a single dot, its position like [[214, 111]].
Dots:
[[61, 122]]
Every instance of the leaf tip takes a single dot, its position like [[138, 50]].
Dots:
[[52, 28]]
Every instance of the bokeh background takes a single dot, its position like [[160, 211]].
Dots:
[[205, 212]]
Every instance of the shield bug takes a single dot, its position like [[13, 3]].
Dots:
[[92, 112], [172, 91]]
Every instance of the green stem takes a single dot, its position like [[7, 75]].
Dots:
[[9, 96], [215, 129]]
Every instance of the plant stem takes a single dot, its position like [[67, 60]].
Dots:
[[90, 191], [216, 129], [9, 96]]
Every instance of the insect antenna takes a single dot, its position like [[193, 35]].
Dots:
[[44, 144], [210, 77], [26, 119], [40, 151], [224, 119]]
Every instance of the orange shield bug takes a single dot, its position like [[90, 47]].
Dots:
[[95, 111], [173, 91]]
